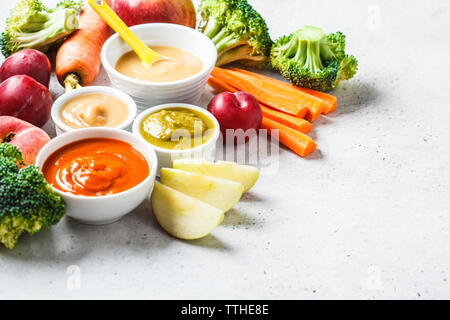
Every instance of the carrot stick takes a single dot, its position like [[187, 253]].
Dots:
[[301, 125], [293, 122], [79, 56], [296, 141], [293, 102], [220, 86], [328, 100]]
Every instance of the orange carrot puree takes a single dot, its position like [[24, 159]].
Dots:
[[96, 167]]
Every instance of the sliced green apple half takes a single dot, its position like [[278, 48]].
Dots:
[[219, 193], [182, 216], [246, 175]]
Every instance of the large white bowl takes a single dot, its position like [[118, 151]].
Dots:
[[61, 127], [166, 157], [103, 209], [161, 34]]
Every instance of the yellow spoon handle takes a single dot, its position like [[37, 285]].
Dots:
[[147, 55]]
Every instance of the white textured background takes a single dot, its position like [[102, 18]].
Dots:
[[365, 216]]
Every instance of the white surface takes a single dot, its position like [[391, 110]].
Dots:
[[365, 216]]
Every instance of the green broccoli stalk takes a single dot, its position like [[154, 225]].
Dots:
[[311, 59], [32, 25], [27, 202], [237, 30]]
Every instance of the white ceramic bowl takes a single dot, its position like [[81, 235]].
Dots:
[[161, 34], [61, 127], [205, 151], [103, 209]]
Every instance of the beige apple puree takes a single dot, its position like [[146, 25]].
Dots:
[[180, 65], [94, 110]]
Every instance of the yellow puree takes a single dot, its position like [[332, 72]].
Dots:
[[180, 64], [94, 110], [177, 128]]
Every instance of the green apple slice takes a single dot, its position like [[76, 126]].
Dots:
[[219, 193], [246, 175], [182, 216]]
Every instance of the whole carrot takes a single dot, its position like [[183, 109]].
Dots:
[[78, 59]]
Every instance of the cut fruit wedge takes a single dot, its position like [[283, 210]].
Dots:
[[182, 216], [246, 175], [219, 193]]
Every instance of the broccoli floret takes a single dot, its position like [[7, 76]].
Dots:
[[309, 58], [70, 4], [27, 202], [237, 30], [32, 25]]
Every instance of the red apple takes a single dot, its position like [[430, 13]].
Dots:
[[30, 62], [28, 138], [134, 12], [235, 111], [25, 98]]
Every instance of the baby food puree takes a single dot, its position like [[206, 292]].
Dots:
[[180, 64], [96, 167], [176, 128], [94, 110]]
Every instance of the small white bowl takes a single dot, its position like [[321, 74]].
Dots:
[[166, 157], [103, 209], [61, 127], [161, 34]]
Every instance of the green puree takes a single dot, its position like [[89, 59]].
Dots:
[[177, 128]]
